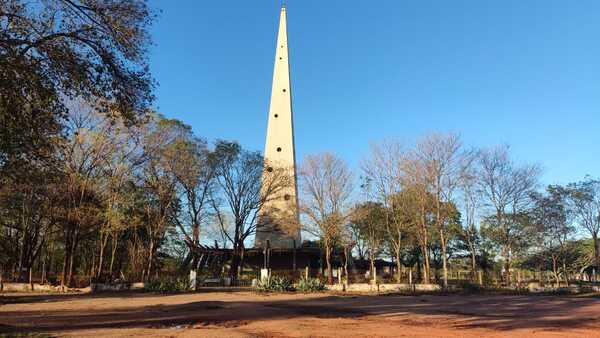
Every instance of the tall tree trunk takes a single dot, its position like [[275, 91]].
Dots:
[[398, 265], [70, 275], [150, 255], [444, 258], [74, 244], [425, 247], [372, 262], [22, 269], [103, 240], [328, 262], [44, 269], [66, 259], [555, 271], [507, 262], [564, 264], [115, 241], [346, 263], [241, 266], [473, 264], [423, 266], [426, 266], [235, 264], [596, 255]]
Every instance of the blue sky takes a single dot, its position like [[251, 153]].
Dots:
[[521, 72]]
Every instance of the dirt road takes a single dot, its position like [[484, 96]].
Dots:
[[246, 314]]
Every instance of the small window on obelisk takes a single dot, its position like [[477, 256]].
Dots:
[[278, 149]]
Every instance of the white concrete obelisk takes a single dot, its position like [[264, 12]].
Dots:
[[279, 149]]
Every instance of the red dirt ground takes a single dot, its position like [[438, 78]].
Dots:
[[246, 314]]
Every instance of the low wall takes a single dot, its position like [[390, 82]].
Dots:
[[100, 287], [94, 287], [536, 288], [26, 287], [366, 287]]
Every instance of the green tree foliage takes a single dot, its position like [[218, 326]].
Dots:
[[369, 223], [55, 51], [584, 200], [550, 218], [506, 188]]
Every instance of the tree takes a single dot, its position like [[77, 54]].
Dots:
[[418, 197], [55, 51], [83, 157], [27, 217], [246, 186], [584, 198], [471, 200], [444, 164], [159, 182], [550, 218], [506, 189], [122, 160], [368, 218], [384, 172], [193, 167], [326, 186]]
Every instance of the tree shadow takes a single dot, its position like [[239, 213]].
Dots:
[[498, 312], [24, 298]]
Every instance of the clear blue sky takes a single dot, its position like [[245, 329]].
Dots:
[[521, 72]]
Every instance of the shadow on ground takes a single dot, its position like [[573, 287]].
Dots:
[[471, 311]]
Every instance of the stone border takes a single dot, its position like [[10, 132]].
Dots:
[[367, 287]]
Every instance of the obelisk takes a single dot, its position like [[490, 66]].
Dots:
[[280, 152]]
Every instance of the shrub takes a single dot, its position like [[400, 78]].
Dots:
[[470, 287], [275, 284], [168, 285], [311, 285]]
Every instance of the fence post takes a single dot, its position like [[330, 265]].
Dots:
[[480, 275], [193, 279], [374, 275], [294, 258], [306, 273], [31, 278]]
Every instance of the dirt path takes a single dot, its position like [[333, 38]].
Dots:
[[245, 314]]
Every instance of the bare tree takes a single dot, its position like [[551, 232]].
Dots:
[[471, 201], [418, 199], [159, 182], [443, 161], [246, 185], [585, 202], [193, 165], [123, 157], [506, 188], [383, 170], [83, 156], [550, 219], [326, 186]]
